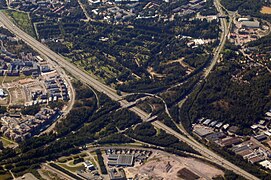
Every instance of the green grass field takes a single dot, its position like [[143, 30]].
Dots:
[[7, 142], [72, 168], [9, 79], [22, 20], [5, 176]]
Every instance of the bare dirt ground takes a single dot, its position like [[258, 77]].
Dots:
[[182, 63], [164, 166], [27, 176], [4, 101], [153, 73], [17, 96], [266, 10]]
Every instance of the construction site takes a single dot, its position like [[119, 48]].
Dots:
[[164, 166]]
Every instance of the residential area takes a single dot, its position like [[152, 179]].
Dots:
[[39, 6], [29, 78], [28, 81], [120, 12], [20, 127], [247, 29]]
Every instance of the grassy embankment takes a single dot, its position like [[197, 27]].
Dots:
[[21, 19]]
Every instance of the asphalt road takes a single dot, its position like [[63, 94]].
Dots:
[[204, 151], [94, 83], [225, 31], [56, 171]]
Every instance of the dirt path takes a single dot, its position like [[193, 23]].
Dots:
[[153, 73], [182, 63]]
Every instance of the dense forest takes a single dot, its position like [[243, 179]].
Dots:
[[234, 93], [248, 7], [209, 9], [147, 133], [3, 5], [138, 57]]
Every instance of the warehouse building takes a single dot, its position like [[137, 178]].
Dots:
[[120, 160], [250, 24]]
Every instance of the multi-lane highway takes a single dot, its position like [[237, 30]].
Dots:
[[223, 38], [90, 80]]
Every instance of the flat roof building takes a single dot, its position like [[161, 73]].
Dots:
[[2, 93], [207, 121], [213, 123], [243, 19], [89, 166], [120, 160], [219, 125], [256, 159], [115, 174], [215, 136], [251, 24], [261, 137], [202, 131], [266, 164], [228, 141]]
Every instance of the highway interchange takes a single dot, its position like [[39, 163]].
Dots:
[[95, 84]]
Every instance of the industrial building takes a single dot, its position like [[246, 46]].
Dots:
[[250, 24], [120, 160]]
